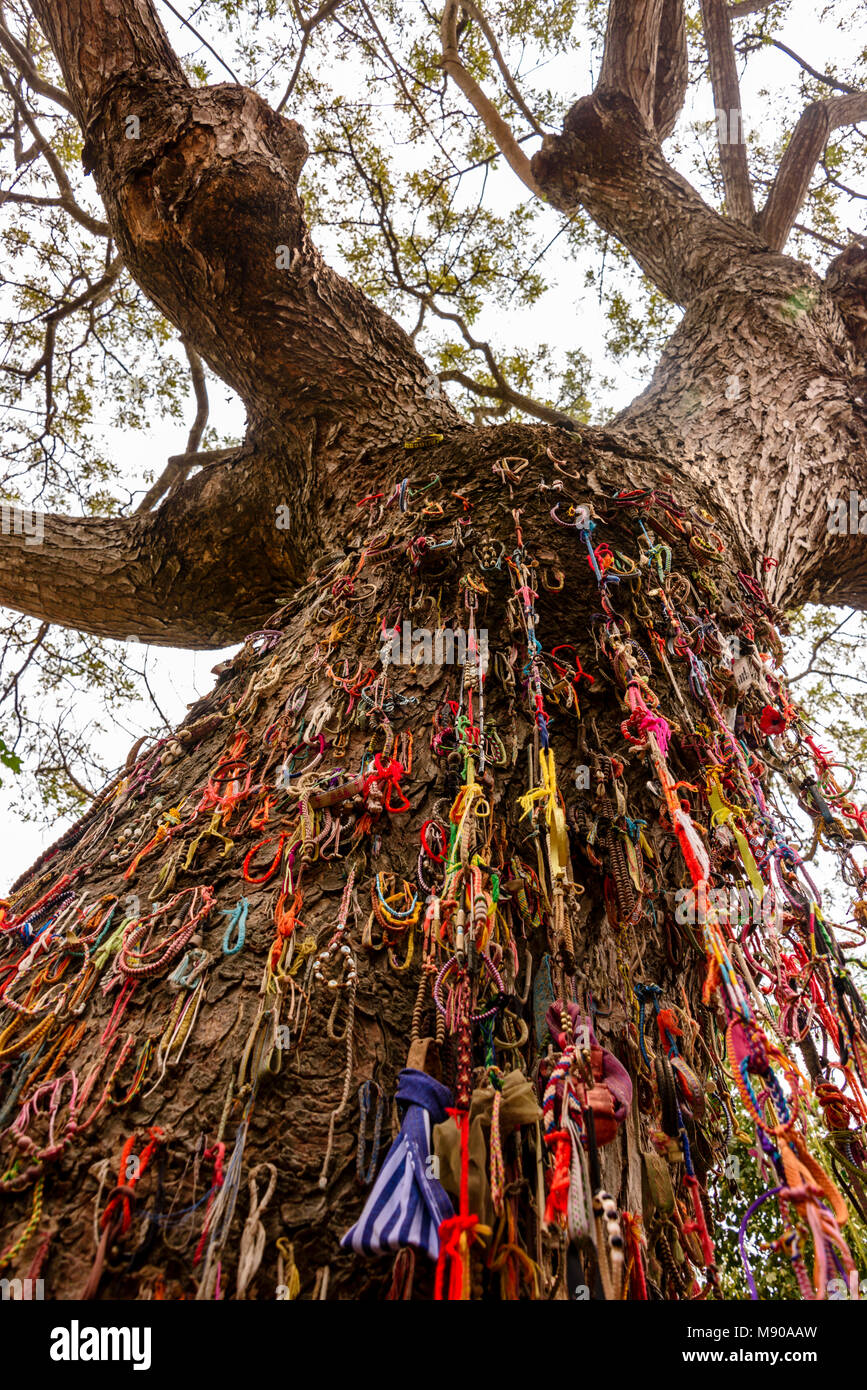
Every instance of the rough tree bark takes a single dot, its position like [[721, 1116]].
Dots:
[[754, 415]]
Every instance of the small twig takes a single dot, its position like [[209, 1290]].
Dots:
[[307, 26], [176, 469], [200, 390], [68, 202], [23, 61], [510, 397], [814, 72], [44, 629], [817, 646], [204, 41]]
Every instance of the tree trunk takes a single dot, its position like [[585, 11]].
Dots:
[[422, 567], [512, 838]]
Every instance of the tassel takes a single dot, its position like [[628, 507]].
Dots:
[[458, 1233]]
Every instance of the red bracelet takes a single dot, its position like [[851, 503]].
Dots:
[[272, 867], [432, 854]]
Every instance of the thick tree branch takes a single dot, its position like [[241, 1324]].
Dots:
[[608, 158], [611, 140], [200, 187], [101, 46], [672, 70], [846, 281], [645, 60], [803, 153], [473, 12], [171, 577], [630, 55], [727, 101], [606, 163]]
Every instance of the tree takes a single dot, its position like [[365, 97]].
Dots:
[[360, 505]]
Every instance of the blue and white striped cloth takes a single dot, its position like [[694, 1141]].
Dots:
[[406, 1205]]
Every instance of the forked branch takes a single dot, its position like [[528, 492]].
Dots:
[[645, 60], [609, 158], [501, 131], [23, 60]]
